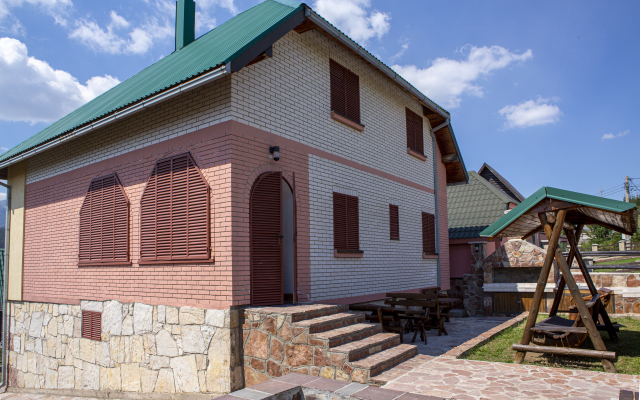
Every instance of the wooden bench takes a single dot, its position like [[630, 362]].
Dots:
[[433, 311], [389, 318]]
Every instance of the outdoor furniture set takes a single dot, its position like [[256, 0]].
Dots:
[[411, 312]]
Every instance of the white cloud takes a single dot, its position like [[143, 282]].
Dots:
[[35, 92], [352, 17], [530, 113], [608, 136], [109, 40], [58, 9], [405, 47], [445, 81]]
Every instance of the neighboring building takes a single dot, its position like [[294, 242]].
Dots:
[[472, 208], [271, 160]]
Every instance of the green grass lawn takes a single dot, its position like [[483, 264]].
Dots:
[[627, 349], [616, 262]]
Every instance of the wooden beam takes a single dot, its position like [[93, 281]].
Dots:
[[553, 236], [586, 317], [450, 158], [567, 351], [555, 328], [551, 205], [575, 251], [533, 232], [561, 284]]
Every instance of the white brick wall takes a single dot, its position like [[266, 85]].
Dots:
[[387, 265], [289, 95], [197, 109]]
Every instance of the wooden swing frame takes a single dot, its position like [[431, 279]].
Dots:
[[553, 252]]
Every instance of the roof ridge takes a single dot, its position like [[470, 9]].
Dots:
[[493, 189]]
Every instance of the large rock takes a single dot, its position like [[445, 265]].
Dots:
[[299, 355], [66, 377], [112, 318], [257, 345], [130, 374], [137, 349], [50, 379], [165, 344], [191, 316], [185, 373], [35, 328], [91, 306], [251, 377], [165, 382], [218, 370], [68, 325], [172, 315], [148, 380], [142, 318], [90, 377], [87, 350], [110, 379], [149, 344], [127, 325], [158, 362], [215, 318], [192, 339], [116, 347], [103, 354]]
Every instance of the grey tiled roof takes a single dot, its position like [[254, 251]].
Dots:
[[474, 206]]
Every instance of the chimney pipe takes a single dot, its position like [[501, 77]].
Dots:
[[185, 23]]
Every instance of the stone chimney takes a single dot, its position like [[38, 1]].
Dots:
[[185, 23]]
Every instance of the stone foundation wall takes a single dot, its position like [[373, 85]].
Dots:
[[143, 349]]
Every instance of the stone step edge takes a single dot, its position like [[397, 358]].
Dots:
[[304, 316], [344, 335], [317, 325], [398, 354], [355, 354]]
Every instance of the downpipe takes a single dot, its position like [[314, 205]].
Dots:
[[437, 210], [4, 383]]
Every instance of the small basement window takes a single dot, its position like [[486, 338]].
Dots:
[[92, 325]]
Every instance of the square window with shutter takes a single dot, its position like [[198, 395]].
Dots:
[[104, 223], [345, 92], [394, 222], [346, 229], [428, 233], [174, 213], [414, 132], [92, 325]]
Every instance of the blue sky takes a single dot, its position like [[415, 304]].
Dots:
[[544, 92]]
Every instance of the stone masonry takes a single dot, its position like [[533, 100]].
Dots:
[[319, 340], [144, 349]]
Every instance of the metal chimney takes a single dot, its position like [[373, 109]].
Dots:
[[185, 23]]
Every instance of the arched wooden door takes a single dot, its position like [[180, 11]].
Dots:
[[266, 240]]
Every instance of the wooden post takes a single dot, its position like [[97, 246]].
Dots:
[[553, 236], [587, 319], [583, 267], [561, 285]]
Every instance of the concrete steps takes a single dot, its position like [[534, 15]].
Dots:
[[379, 362], [329, 322]]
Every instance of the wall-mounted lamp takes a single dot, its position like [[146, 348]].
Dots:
[[275, 152]]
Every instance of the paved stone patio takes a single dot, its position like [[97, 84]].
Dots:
[[30, 396], [460, 330], [470, 380]]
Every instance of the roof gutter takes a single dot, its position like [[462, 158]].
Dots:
[[183, 87], [333, 31]]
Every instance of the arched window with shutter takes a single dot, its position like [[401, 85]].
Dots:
[[104, 223], [174, 213]]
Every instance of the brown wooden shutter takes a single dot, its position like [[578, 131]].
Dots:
[[394, 222], [346, 224], [415, 140], [104, 223], [345, 92], [266, 240], [428, 233], [92, 325], [174, 212]]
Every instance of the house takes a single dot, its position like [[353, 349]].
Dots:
[[472, 208], [272, 160]]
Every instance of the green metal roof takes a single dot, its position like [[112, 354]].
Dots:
[[475, 205], [214, 49], [586, 209]]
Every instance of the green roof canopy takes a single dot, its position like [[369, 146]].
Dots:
[[581, 208]]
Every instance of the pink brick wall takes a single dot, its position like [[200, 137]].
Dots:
[[51, 273], [444, 225]]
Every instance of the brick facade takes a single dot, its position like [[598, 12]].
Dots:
[[228, 126]]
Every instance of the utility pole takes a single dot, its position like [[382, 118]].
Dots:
[[626, 189]]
